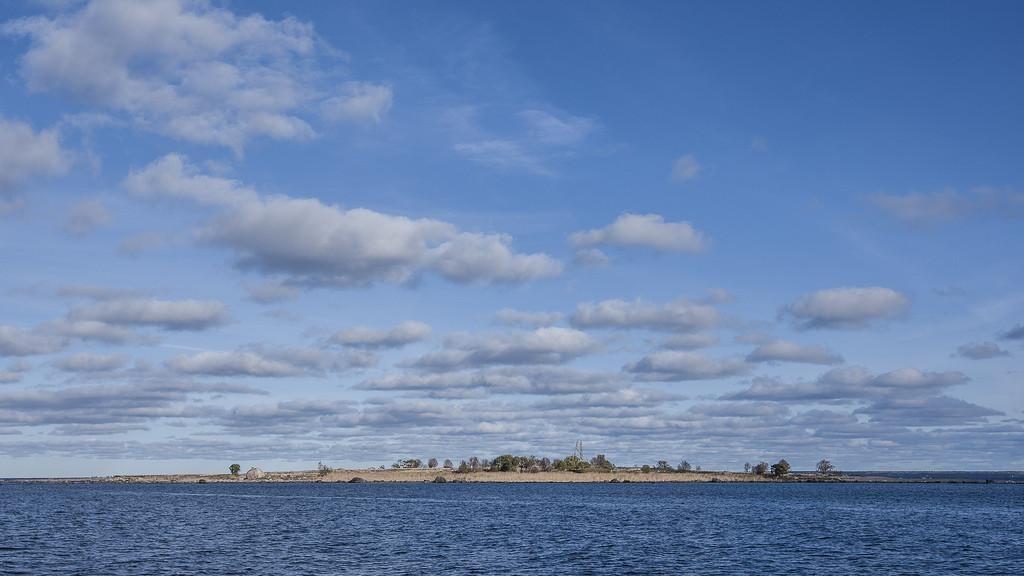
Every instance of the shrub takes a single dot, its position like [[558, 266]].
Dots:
[[646, 468], [323, 469], [409, 463], [761, 469], [601, 463], [463, 468], [662, 466]]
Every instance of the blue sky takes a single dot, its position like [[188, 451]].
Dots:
[[278, 233]]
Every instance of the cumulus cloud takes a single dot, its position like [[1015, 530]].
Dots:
[[678, 315], [590, 257], [262, 362], [15, 341], [926, 411], [540, 380], [685, 168], [846, 307], [165, 314], [188, 69], [786, 351], [270, 292], [396, 337], [648, 230], [541, 346], [90, 363], [948, 205], [26, 154], [529, 319], [981, 351], [359, 102], [852, 383], [313, 243], [676, 366], [14, 372], [86, 216]]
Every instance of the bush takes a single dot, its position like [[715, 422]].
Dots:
[[463, 468], [323, 469], [662, 466], [409, 463], [761, 469], [646, 468]]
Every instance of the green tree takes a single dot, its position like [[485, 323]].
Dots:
[[463, 467], [235, 469], [572, 464], [780, 468], [663, 466], [761, 469], [645, 468]]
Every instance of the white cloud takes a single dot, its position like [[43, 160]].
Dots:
[[504, 155], [396, 337], [650, 230], [590, 257], [786, 351], [236, 363], [26, 154], [675, 366], [188, 69], [550, 345], [15, 341], [314, 243], [679, 315], [86, 216], [523, 318], [165, 314], [89, 363], [948, 205], [358, 101], [852, 383], [550, 129], [846, 307], [685, 168]]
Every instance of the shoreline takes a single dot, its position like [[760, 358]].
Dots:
[[422, 476]]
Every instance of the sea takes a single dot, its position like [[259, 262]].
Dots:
[[328, 528]]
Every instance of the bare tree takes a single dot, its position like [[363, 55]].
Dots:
[[684, 466], [432, 463], [474, 464], [448, 464], [825, 467], [746, 467]]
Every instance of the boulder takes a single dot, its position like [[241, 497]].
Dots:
[[255, 474], [440, 480], [357, 480]]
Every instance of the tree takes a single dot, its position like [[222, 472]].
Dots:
[[235, 469], [761, 469], [323, 469], [780, 468], [432, 463], [572, 464], [545, 464], [684, 466], [601, 463], [662, 466], [474, 464], [646, 468], [448, 463], [825, 467], [408, 463], [505, 463], [463, 467], [746, 467]]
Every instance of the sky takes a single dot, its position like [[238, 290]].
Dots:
[[277, 233]]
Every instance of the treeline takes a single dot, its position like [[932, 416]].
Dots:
[[599, 463], [512, 463]]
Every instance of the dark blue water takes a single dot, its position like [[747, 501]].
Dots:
[[221, 529]]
